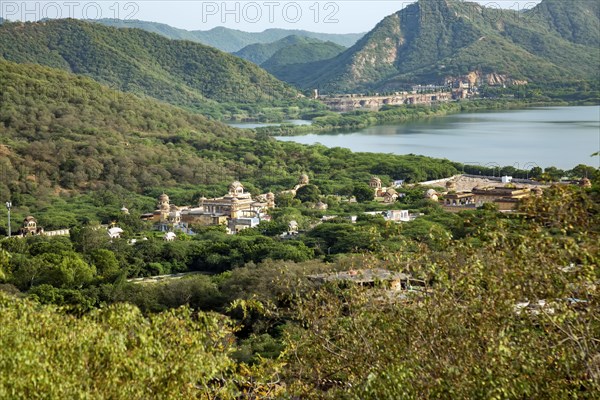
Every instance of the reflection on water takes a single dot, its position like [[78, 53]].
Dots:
[[553, 136]]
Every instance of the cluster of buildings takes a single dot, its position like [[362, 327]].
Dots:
[[381, 193], [464, 191], [463, 89], [349, 102], [236, 210]]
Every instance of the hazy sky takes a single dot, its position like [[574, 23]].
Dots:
[[320, 16]]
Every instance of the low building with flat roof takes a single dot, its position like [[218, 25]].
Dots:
[[370, 277]]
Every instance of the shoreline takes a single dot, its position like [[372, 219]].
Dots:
[[359, 119]]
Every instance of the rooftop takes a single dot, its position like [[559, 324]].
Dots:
[[361, 276]]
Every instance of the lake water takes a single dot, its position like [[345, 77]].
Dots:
[[552, 136], [252, 125]]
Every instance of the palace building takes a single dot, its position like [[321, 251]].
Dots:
[[237, 210]]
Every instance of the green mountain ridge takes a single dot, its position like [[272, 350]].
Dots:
[[306, 50], [289, 50], [276, 57], [178, 72], [230, 40], [432, 40], [575, 21]]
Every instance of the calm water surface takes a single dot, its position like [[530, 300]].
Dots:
[[252, 125], [552, 136]]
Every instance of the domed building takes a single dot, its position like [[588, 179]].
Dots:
[[375, 183], [390, 195], [381, 193], [431, 194], [237, 210], [163, 201], [30, 227], [163, 208], [236, 189]]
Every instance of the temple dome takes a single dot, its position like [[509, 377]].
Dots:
[[431, 194], [236, 188], [375, 182]]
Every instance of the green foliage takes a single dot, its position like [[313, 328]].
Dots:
[[299, 53], [62, 270], [289, 50], [106, 263], [182, 73], [99, 149], [463, 335], [575, 21], [363, 192], [309, 193], [4, 258], [111, 353], [430, 40]]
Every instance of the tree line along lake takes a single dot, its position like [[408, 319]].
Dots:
[[550, 136]]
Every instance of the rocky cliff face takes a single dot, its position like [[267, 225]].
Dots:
[[431, 40], [477, 78]]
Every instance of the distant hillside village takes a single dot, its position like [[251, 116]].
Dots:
[[455, 88], [238, 210]]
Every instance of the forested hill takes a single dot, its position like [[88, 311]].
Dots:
[[178, 72], [433, 40], [291, 49], [230, 40], [59, 129], [65, 134], [575, 21]]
